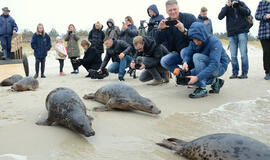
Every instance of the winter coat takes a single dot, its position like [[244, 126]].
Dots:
[[112, 32], [129, 34], [262, 10], [91, 59], [96, 37], [154, 21], [209, 26], [41, 45], [61, 52], [172, 38], [236, 22], [119, 46], [72, 43], [211, 47], [7, 25]]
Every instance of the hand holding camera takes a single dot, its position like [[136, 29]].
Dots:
[[70, 32]]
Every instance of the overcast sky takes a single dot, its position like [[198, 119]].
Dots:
[[83, 13]]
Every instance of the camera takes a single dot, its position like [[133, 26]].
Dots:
[[69, 32], [182, 79], [235, 3], [171, 22], [142, 24]]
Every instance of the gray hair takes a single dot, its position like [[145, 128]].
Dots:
[[171, 2]]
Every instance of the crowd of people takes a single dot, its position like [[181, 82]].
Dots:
[[181, 44]]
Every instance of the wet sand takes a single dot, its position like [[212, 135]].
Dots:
[[132, 135]]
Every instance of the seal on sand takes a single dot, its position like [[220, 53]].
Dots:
[[25, 84], [11, 80]]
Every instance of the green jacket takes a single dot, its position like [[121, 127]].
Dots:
[[73, 47]]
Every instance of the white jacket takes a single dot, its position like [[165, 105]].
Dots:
[[61, 52]]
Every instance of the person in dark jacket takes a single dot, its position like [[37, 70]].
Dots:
[[263, 15], [112, 30], [154, 21], [96, 37], [8, 27], [91, 59], [174, 37], [209, 58], [119, 52], [237, 26], [150, 52], [41, 44], [204, 19]]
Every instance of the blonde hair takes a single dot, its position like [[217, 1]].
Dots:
[[129, 18], [43, 32], [137, 40], [72, 26]]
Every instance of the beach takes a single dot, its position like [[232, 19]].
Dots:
[[242, 107]]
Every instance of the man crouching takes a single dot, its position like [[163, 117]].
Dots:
[[150, 54], [209, 58]]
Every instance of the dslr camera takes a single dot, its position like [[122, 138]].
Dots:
[[235, 3], [182, 79]]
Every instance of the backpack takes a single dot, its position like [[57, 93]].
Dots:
[[250, 21]]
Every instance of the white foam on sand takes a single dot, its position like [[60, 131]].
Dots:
[[14, 156]]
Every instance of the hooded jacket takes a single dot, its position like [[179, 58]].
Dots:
[[7, 25], [113, 31], [41, 45], [209, 26], [236, 22], [211, 47], [91, 59], [72, 43], [153, 20], [173, 39], [129, 34], [96, 38], [118, 47]]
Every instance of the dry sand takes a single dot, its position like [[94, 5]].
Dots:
[[131, 135]]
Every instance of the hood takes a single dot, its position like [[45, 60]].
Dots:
[[149, 45], [198, 31], [202, 18], [94, 27], [154, 8], [110, 21]]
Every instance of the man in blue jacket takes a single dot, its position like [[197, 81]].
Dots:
[[8, 27], [174, 37], [236, 12], [209, 58], [154, 21]]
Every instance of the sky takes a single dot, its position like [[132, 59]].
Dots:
[[83, 14]]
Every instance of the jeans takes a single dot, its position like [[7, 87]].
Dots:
[[61, 61], [42, 62], [6, 45], [240, 40], [266, 55], [201, 62], [120, 67]]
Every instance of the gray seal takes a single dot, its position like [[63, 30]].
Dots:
[[223, 146], [123, 97], [25, 84], [11, 80], [66, 108]]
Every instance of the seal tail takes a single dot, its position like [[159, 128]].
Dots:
[[172, 144], [89, 96]]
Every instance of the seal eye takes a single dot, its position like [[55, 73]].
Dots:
[[151, 107]]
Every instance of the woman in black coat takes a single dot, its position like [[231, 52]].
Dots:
[[96, 37]]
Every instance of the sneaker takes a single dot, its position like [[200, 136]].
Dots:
[[155, 83], [243, 76], [166, 77], [62, 74], [267, 77], [234, 76], [43, 76], [121, 79], [216, 86], [199, 93], [75, 71], [36, 76]]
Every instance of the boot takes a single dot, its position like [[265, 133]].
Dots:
[[166, 77], [5, 55]]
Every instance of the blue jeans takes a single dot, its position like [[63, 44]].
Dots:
[[201, 62], [6, 44], [171, 61], [120, 68], [240, 40]]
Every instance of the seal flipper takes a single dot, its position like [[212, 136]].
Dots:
[[107, 107], [173, 144], [90, 118], [44, 123], [101, 109], [89, 96]]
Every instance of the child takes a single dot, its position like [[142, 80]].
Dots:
[[41, 44], [61, 53]]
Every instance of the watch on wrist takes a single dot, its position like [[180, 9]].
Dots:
[[185, 31]]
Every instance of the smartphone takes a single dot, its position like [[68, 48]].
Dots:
[[171, 22]]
